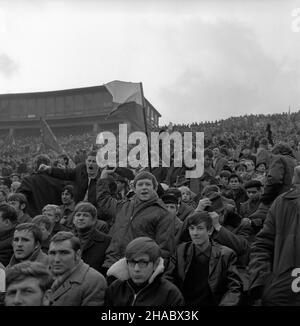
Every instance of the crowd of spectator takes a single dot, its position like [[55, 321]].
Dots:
[[84, 235]]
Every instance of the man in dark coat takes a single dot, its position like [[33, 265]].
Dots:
[[275, 257], [40, 189], [84, 177], [93, 242], [279, 178], [142, 215], [8, 222]]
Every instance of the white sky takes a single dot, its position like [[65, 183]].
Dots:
[[198, 60]]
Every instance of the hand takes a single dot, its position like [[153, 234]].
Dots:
[[105, 172], [202, 204], [215, 220], [246, 221], [44, 168]]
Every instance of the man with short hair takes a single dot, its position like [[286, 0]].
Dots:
[[93, 242], [53, 212], [27, 245], [139, 280], [19, 202], [204, 271], [8, 222], [171, 201], [45, 225], [76, 283], [84, 177], [254, 191], [236, 191], [28, 284], [142, 215]]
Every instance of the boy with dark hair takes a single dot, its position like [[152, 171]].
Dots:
[[139, 280], [27, 245], [236, 191], [19, 202], [204, 271], [28, 284]]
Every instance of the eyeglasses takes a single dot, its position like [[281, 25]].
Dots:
[[252, 192], [141, 263]]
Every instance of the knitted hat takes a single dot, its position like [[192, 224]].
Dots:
[[146, 175]]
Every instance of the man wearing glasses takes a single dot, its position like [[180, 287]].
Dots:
[[139, 280]]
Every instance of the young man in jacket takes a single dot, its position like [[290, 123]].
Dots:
[[204, 271], [140, 281], [27, 245], [142, 215]]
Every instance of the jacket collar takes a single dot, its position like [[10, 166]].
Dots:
[[77, 276], [120, 270]]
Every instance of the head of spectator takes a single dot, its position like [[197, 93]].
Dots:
[[234, 181], [19, 202], [261, 167], [241, 169], [8, 217], [62, 161], [91, 164], [64, 253], [223, 151], [27, 240], [122, 183], [224, 176], [28, 284], [145, 185], [208, 157], [67, 195], [263, 143], [53, 212], [199, 225], [186, 194], [15, 186], [171, 201], [85, 217], [231, 164], [40, 159], [15, 177], [250, 165], [143, 256], [44, 223], [246, 151], [206, 180], [216, 152], [253, 189]]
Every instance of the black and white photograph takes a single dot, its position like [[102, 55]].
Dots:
[[150, 156]]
